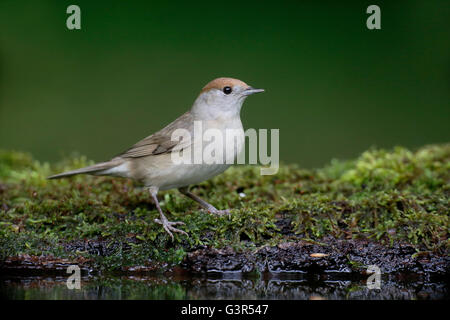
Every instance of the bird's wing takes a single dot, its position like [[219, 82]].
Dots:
[[161, 141]]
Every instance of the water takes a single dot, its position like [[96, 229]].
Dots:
[[290, 286]]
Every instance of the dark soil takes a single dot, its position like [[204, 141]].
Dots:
[[328, 256], [345, 256]]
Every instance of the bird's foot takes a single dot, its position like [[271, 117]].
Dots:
[[217, 212], [168, 226]]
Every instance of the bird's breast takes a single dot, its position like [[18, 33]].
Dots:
[[212, 150], [222, 141]]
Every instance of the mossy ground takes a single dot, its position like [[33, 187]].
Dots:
[[385, 195]]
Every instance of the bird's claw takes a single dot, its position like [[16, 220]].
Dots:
[[168, 226], [217, 212]]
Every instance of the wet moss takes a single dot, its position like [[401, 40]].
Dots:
[[385, 195]]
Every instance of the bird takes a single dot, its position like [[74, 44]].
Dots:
[[150, 161]]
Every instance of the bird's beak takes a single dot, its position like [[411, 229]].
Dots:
[[251, 90]]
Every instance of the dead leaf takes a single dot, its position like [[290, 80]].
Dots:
[[318, 255]]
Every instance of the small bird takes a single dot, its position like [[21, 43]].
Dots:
[[150, 160]]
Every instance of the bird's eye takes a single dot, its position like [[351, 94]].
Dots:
[[227, 90]]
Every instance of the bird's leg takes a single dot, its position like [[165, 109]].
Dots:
[[209, 207], [167, 225]]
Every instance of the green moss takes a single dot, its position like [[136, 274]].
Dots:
[[386, 195]]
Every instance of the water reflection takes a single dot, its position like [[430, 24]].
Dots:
[[228, 286]]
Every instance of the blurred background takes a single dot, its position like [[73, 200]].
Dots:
[[333, 87]]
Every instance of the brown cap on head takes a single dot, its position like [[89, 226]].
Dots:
[[220, 83]]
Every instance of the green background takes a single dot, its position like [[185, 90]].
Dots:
[[333, 87]]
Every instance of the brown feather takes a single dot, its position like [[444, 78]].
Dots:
[[220, 83], [90, 169], [160, 142]]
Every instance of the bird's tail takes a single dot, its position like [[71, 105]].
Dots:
[[94, 169]]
